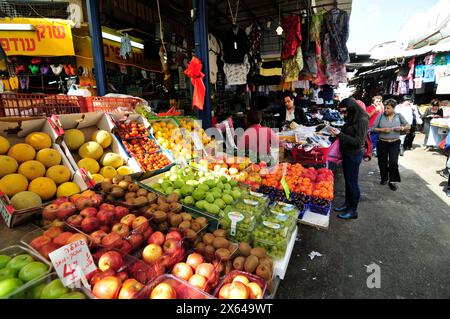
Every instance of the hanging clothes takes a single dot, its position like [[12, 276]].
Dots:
[[316, 33], [270, 45], [419, 71], [293, 36], [125, 47], [293, 66], [214, 51], [270, 72], [337, 27], [254, 39], [235, 45], [194, 72], [75, 11], [335, 73], [236, 73], [429, 74]]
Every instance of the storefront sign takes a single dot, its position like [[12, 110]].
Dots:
[[50, 37]]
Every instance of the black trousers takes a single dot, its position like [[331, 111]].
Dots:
[[409, 139], [388, 153]]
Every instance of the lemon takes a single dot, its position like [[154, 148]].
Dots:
[[32, 170], [67, 189], [22, 152], [108, 172], [97, 178], [13, 183], [91, 150], [43, 186], [112, 159], [59, 174], [124, 170], [102, 137], [38, 140], [4, 145], [8, 165], [74, 139], [49, 157], [90, 165]]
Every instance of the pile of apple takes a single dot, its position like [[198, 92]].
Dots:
[[16, 271], [51, 290], [239, 285]]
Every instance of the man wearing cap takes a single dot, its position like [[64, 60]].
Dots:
[[412, 115]]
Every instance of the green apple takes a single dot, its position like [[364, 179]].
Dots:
[[19, 262], [54, 290], [9, 285], [73, 295], [35, 291], [8, 273], [32, 271], [4, 260]]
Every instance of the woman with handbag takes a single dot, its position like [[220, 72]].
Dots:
[[351, 139], [390, 125]]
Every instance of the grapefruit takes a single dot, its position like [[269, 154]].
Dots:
[[43, 186], [91, 150], [89, 164], [59, 174], [38, 140], [26, 200], [49, 157], [32, 170], [74, 139], [8, 165], [112, 159], [67, 189], [102, 137], [108, 172], [22, 152], [13, 183], [125, 170], [4, 145]]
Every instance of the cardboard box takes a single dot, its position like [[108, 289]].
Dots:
[[88, 123], [16, 130]]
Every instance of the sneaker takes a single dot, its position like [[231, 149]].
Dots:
[[348, 215], [393, 187]]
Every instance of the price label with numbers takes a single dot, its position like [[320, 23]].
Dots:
[[284, 183], [73, 262]]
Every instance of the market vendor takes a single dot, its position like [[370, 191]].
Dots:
[[291, 113], [257, 138]]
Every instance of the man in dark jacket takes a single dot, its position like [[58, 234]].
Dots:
[[291, 113]]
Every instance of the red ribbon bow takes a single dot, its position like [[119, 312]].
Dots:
[[194, 72]]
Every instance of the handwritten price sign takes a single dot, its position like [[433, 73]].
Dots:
[[72, 262]]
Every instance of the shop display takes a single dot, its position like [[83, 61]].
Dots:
[[273, 237], [241, 285]]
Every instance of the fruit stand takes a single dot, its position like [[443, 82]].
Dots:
[[146, 226]]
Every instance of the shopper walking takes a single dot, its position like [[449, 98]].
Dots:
[[375, 109], [390, 125], [412, 115], [351, 140], [432, 112]]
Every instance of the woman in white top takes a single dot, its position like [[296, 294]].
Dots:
[[412, 115]]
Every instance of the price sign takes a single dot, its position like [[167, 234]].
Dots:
[[284, 183], [72, 262], [197, 142]]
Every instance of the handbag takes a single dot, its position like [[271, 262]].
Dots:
[[368, 149], [334, 153]]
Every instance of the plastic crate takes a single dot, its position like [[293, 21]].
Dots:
[[252, 278], [315, 156], [30, 105], [322, 210], [110, 104]]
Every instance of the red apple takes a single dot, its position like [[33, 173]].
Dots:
[[97, 236], [175, 235], [182, 271], [107, 207], [170, 246], [121, 229], [139, 271], [194, 260], [121, 212], [105, 228], [83, 202], [76, 237], [140, 224], [129, 288], [53, 232], [75, 221], [157, 238], [135, 240], [224, 292], [255, 290], [107, 288], [90, 224], [97, 199], [89, 212], [40, 241], [62, 239], [98, 275], [112, 240], [163, 291], [111, 259], [147, 233], [206, 270], [237, 290], [128, 219], [65, 210], [198, 281], [125, 247], [49, 212], [123, 276], [60, 200], [47, 249], [106, 217], [241, 278], [152, 253]]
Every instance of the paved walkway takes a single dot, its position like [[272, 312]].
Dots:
[[405, 232]]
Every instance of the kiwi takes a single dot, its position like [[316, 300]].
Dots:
[[264, 272], [130, 195], [159, 217], [142, 192], [202, 221], [238, 263], [251, 262], [130, 201], [258, 252], [152, 198], [186, 216], [184, 225], [220, 242], [117, 179], [208, 238], [164, 227], [244, 249], [200, 247], [161, 200], [117, 192], [195, 226], [175, 220], [133, 188], [154, 206], [223, 253], [220, 233], [173, 198], [127, 178], [209, 250], [267, 261], [140, 201], [175, 207], [123, 185], [164, 207], [189, 234], [107, 186]]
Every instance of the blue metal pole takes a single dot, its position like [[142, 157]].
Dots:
[[202, 52], [95, 30]]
